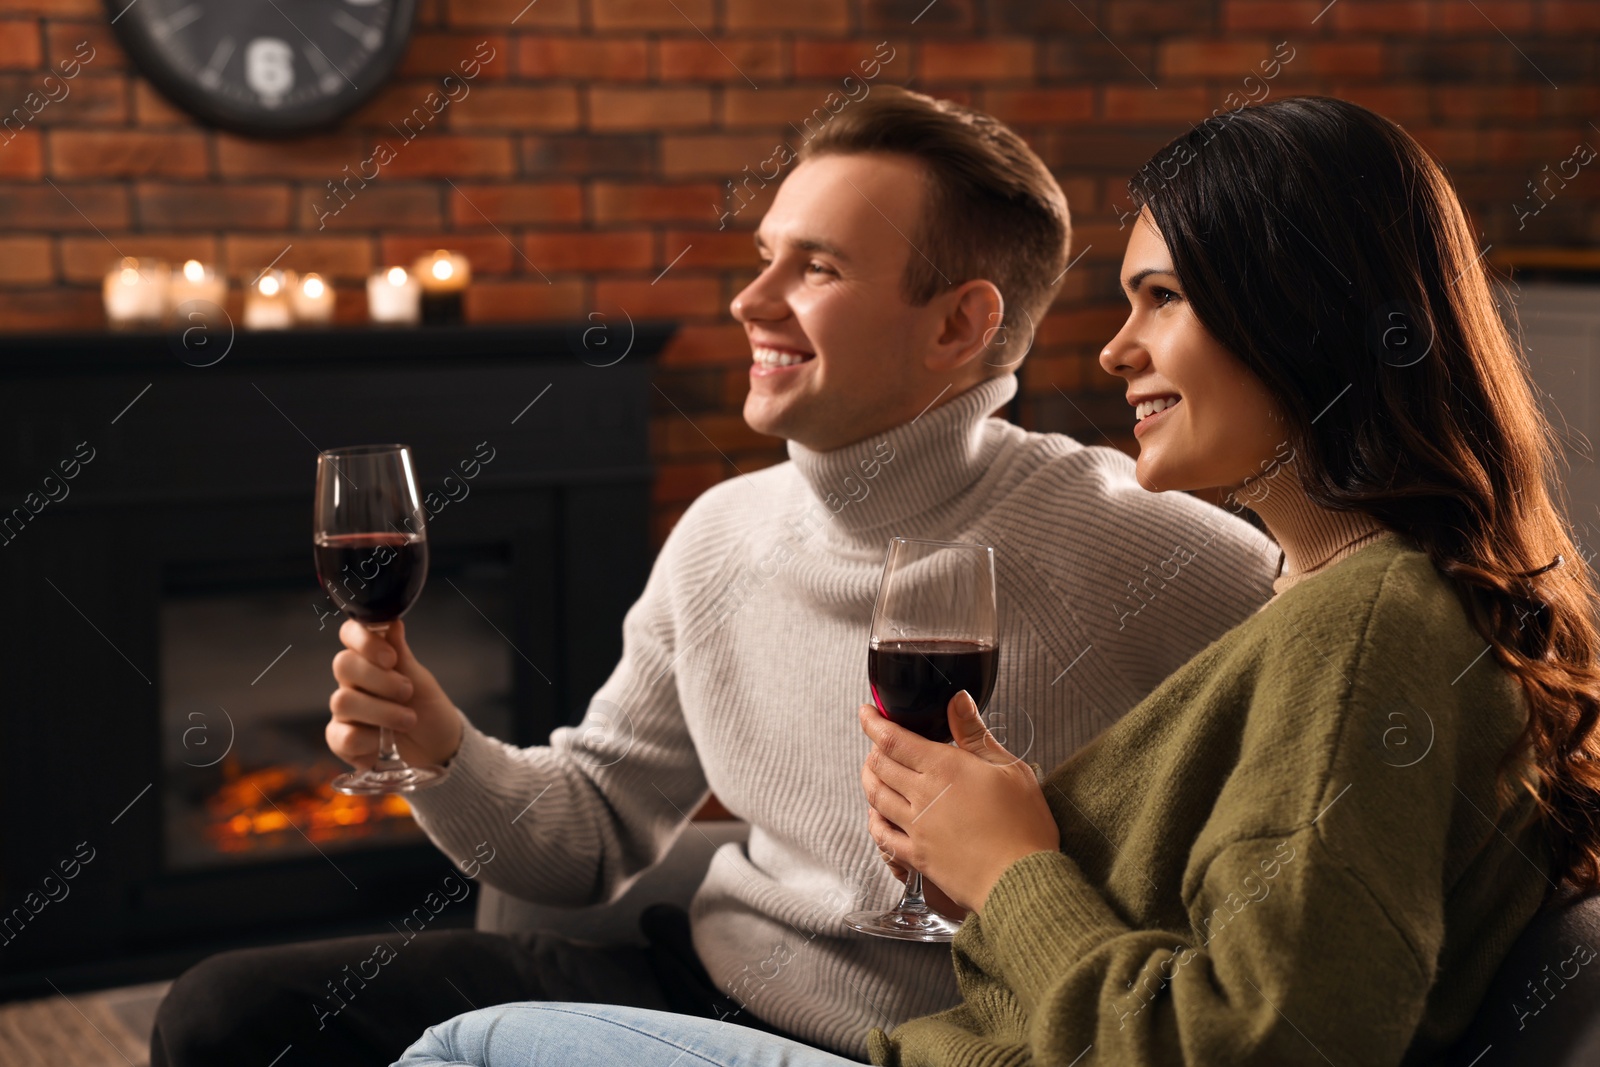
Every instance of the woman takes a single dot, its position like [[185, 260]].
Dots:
[[1316, 841]]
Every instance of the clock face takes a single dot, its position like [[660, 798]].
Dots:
[[265, 66]]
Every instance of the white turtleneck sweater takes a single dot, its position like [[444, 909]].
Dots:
[[1310, 538], [745, 658]]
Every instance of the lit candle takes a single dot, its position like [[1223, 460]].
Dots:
[[266, 303], [312, 300], [444, 277], [393, 296], [135, 294], [195, 281]]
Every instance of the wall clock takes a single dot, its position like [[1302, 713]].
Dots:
[[265, 67]]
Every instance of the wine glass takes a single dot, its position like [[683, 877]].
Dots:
[[371, 545], [933, 635]]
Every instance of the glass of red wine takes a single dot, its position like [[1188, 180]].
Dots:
[[371, 545], [933, 634]]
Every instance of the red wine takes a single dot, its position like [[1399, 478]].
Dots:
[[373, 576], [913, 681]]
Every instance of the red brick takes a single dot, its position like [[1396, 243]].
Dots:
[[87, 258], [1134, 104], [100, 50], [439, 54], [213, 207], [449, 156], [127, 154], [946, 16], [745, 108], [345, 258], [809, 16], [490, 253], [1402, 103], [20, 44], [524, 301], [519, 108], [1025, 106], [619, 202], [590, 155], [502, 15], [1211, 58], [1492, 17], [1246, 15], [1567, 16], [711, 248], [68, 207], [607, 59], [682, 15], [728, 59], [1380, 16], [52, 309], [1449, 145], [87, 100], [1474, 103], [701, 345], [981, 60], [510, 205], [22, 156], [648, 109], [718, 154], [53, 8], [151, 109], [682, 482], [668, 298], [588, 250], [1338, 59], [382, 205], [322, 157], [26, 261], [1123, 18], [858, 57]]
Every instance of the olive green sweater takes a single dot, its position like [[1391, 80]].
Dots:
[[1283, 855]]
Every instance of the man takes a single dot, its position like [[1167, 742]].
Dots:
[[904, 258]]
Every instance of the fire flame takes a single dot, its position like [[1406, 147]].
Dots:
[[250, 805]]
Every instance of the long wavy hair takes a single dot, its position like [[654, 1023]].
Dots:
[[1323, 246]]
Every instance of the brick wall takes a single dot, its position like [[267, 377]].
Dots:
[[587, 168]]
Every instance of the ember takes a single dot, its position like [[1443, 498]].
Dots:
[[260, 804]]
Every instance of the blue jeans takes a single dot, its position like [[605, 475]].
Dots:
[[537, 1034]]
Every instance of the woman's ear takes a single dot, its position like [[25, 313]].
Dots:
[[973, 314]]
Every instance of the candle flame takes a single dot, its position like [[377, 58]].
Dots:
[[397, 275], [130, 276], [269, 286], [193, 270], [313, 287], [443, 269]]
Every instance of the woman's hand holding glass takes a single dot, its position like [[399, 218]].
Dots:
[[961, 815]]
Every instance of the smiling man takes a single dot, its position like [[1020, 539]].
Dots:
[[903, 263]]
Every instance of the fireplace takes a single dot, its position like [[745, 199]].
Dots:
[[168, 649]]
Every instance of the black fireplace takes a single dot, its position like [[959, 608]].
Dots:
[[166, 645]]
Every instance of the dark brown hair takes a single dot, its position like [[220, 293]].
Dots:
[[993, 210], [1322, 246]]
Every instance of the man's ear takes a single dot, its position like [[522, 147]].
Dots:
[[973, 312]]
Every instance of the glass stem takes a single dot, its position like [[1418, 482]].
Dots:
[[913, 900], [388, 753]]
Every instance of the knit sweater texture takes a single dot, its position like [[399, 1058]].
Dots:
[[1289, 853], [745, 658]]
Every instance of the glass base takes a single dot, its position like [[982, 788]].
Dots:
[[398, 780], [907, 925]]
